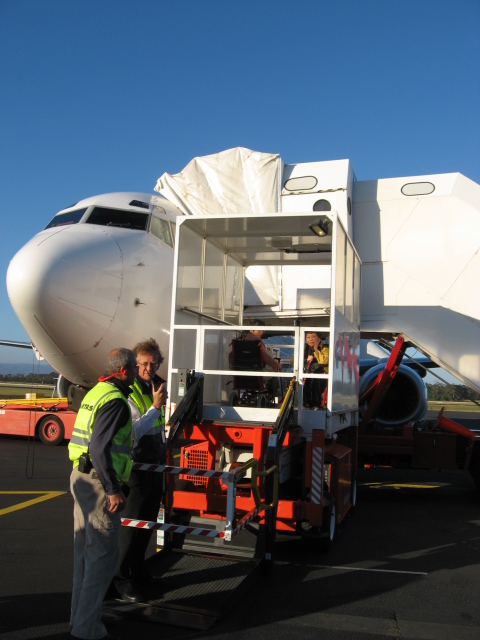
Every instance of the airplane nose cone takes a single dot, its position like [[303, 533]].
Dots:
[[64, 286]]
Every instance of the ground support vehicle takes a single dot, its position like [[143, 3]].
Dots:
[[425, 444], [313, 448], [248, 471], [49, 419]]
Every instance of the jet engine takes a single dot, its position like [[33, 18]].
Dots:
[[63, 385], [406, 400]]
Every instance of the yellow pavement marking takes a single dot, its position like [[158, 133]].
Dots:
[[43, 495], [392, 485]]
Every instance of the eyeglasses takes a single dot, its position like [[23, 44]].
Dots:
[[146, 365]]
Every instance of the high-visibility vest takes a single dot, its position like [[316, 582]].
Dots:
[[151, 447], [121, 448]]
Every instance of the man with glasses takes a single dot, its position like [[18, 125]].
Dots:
[[147, 397]]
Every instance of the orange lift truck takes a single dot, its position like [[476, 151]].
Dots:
[[255, 458]]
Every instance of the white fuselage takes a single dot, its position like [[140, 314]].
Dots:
[[81, 289]]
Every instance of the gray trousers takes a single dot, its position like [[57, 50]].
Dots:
[[97, 533]]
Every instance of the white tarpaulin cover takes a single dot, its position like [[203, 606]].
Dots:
[[240, 180], [233, 181]]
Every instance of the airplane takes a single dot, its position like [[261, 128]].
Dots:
[[100, 274]]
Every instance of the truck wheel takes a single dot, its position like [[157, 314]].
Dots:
[[354, 494], [51, 430], [185, 485], [474, 467], [329, 527]]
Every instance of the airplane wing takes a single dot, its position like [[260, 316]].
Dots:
[[12, 343], [22, 345]]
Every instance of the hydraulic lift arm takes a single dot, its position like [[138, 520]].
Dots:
[[375, 394]]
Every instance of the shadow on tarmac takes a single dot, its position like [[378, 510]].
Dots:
[[410, 552]]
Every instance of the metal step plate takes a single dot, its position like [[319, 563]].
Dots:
[[194, 592]]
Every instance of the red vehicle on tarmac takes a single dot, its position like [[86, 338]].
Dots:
[[48, 418]]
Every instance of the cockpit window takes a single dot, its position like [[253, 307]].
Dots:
[[160, 228], [62, 219], [118, 218]]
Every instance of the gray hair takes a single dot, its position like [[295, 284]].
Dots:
[[119, 359]]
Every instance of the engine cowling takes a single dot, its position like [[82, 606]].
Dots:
[[63, 386], [406, 400]]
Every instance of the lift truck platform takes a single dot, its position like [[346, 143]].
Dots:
[[195, 589]]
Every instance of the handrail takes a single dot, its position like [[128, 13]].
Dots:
[[231, 478], [253, 464], [286, 405], [264, 474], [259, 505], [205, 315]]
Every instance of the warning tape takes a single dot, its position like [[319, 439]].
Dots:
[[162, 468], [317, 475], [173, 528], [191, 531], [246, 519]]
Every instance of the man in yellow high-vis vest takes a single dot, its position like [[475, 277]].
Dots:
[[148, 394], [100, 449]]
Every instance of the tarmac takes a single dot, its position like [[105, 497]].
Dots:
[[404, 565]]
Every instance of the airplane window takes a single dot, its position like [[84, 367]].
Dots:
[[139, 203], [322, 205], [418, 189], [62, 219], [303, 183], [118, 218], [173, 227], [161, 230]]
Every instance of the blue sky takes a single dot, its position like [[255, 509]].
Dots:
[[106, 96]]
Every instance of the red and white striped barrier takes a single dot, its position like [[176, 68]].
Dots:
[[192, 531], [173, 528], [195, 531], [246, 519], [162, 468]]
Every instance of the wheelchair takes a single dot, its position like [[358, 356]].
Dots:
[[249, 390]]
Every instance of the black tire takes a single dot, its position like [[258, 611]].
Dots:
[[474, 467], [185, 485], [51, 430], [329, 527], [354, 494], [233, 400]]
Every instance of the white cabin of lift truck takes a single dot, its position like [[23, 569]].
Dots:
[[223, 267]]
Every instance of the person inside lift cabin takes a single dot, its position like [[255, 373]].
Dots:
[[315, 360], [148, 395], [256, 334]]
